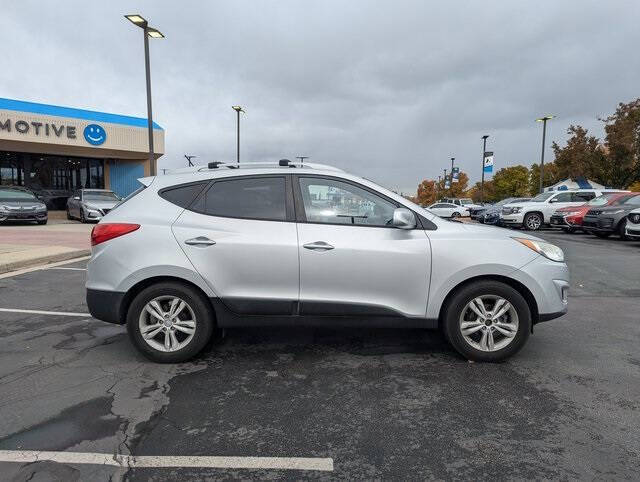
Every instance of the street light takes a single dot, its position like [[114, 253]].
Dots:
[[544, 135], [139, 21], [484, 150], [238, 109]]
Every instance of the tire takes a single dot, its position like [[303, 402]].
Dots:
[[197, 309], [569, 230], [533, 222], [455, 215], [43, 222], [602, 234], [83, 219], [622, 230], [69, 214], [457, 311]]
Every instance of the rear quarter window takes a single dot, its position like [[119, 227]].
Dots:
[[183, 195]]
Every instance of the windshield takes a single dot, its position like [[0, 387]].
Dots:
[[631, 200], [466, 201], [11, 195], [100, 196], [543, 196], [602, 200]]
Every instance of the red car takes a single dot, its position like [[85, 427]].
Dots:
[[570, 218]]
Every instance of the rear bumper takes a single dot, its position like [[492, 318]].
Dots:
[[106, 305]]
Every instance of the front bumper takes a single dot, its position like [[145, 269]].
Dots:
[[548, 281], [598, 223], [633, 230], [30, 216], [512, 219]]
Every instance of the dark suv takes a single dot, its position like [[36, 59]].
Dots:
[[607, 220]]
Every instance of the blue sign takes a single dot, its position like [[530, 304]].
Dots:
[[95, 134], [488, 162]]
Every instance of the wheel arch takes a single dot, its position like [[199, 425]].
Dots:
[[515, 284], [145, 283]]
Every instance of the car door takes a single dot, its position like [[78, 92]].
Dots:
[[352, 260], [240, 235]]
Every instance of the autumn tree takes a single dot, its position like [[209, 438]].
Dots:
[[475, 192], [582, 156], [456, 189], [623, 145], [426, 193], [550, 176], [511, 182]]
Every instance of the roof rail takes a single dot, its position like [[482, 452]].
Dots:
[[267, 164]]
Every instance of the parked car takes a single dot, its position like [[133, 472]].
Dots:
[[465, 202], [91, 204], [633, 224], [448, 210], [491, 214], [570, 218], [537, 212], [607, 220], [265, 244], [21, 205]]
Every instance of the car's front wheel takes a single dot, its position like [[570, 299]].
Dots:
[[487, 321], [170, 322], [455, 215], [533, 221]]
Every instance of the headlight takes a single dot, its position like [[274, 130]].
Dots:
[[548, 250], [515, 210], [616, 212], [4, 209], [42, 207], [572, 213]]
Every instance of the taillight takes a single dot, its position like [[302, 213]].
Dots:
[[104, 232]]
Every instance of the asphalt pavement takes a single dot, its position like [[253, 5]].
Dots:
[[377, 403]]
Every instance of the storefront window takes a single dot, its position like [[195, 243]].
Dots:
[[38, 171]]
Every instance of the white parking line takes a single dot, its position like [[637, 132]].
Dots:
[[11, 274], [131, 461], [39, 312], [70, 269]]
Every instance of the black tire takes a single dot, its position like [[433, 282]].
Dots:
[[602, 234], [69, 214], [622, 231], [458, 302], [569, 230], [83, 219], [455, 215], [200, 306], [43, 222], [532, 221]]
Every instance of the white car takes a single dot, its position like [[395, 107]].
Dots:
[[633, 224], [448, 210], [537, 212], [465, 202]]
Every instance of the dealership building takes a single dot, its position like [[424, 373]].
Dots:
[[47, 147]]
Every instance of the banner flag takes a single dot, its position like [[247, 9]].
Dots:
[[488, 162], [455, 174]]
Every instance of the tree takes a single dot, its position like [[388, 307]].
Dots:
[[623, 145], [457, 189], [635, 187], [551, 176], [426, 193], [582, 156], [475, 190], [511, 182]]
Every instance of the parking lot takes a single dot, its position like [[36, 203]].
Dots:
[[335, 404]]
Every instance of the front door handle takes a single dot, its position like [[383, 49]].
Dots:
[[318, 246], [200, 241]]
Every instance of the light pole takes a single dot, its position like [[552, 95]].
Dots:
[[153, 33], [302, 158], [238, 109], [544, 135], [444, 186], [484, 150]]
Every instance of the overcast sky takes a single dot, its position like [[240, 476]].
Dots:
[[385, 89]]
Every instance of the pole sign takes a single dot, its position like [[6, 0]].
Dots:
[[488, 162], [455, 174], [447, 182]]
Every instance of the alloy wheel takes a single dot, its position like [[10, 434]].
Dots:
[[167, 323], [533, 222], [488, 323]]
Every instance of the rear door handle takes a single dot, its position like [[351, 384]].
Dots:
[[200, 241], [318, 246]]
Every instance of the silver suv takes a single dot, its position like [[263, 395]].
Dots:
[[287, 244]]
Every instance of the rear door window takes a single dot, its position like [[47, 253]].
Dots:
[[261, 198], [583, 196]]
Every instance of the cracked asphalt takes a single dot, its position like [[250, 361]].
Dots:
[[383, 403]]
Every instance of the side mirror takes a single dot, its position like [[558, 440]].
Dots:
[[404, 219]]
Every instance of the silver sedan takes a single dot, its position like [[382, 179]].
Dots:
[[91, 204]]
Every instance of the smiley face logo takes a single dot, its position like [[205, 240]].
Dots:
[[95, 134]]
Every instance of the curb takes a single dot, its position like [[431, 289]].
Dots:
[[52, 258]]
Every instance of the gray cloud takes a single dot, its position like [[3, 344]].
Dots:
[[385, 89]]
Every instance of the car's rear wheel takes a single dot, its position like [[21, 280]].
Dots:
[[533, 221], [170, 322], [487, 321]]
